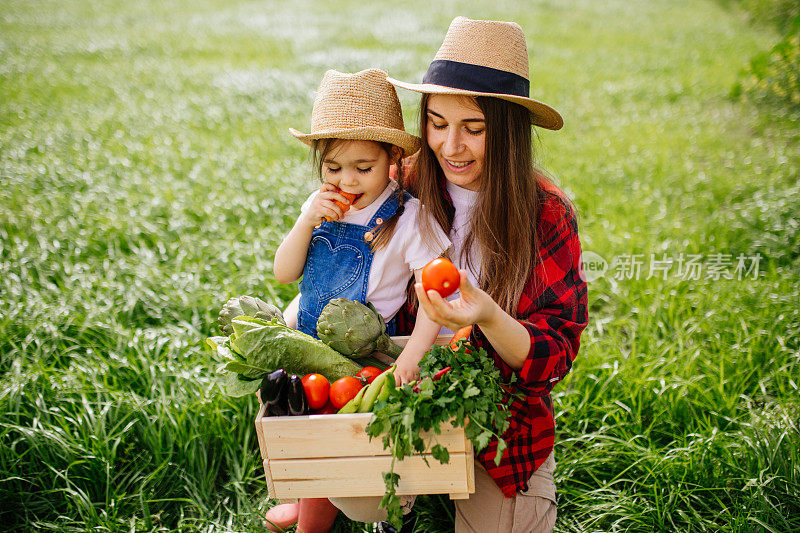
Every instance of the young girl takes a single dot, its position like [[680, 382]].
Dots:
[[515, 239], [367, 250]]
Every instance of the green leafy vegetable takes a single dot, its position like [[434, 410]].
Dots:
[[246, 306], [236, 385], [470, 395], [354, 329], [257, 347]]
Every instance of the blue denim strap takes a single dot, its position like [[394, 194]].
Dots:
[[323, 280]]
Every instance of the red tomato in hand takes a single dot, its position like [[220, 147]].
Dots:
[[369, 373], [343, 390], [441, 276], [316, 387]]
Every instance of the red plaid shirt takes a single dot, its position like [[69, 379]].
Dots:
[[553, 309]]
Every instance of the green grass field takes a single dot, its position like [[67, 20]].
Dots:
[[146, 175]]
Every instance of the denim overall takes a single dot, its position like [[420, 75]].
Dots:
[[338, 265]]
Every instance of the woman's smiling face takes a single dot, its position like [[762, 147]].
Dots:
[[456, 131]]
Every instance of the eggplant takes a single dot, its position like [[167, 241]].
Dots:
[[298, 403], [273, 386], [280, 408]]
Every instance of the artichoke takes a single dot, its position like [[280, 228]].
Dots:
[[354, 329], [246, 305]]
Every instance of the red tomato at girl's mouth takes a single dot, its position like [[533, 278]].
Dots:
[[442, 276], [343, 390], [316, 387], [369, 373]]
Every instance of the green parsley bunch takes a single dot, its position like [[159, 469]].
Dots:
[[470, 395]]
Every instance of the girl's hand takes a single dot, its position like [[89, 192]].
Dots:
[[323, 205], [473, 306], [405, 370]]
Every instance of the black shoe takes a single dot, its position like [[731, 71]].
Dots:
[[409, 521]]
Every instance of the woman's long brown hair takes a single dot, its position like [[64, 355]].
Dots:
[[509, 203]]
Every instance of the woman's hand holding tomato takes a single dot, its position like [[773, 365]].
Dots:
[[473, 306], [343, 390]]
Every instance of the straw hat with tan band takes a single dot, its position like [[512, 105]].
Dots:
[[361, 106], [485, 58]]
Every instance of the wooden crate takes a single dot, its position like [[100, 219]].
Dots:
[[319, 456]]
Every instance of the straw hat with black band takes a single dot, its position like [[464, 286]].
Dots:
[[361, 106], [484, 58]]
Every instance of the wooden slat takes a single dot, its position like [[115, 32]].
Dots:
[[402, 340], [322, 436], [262, 445], [383, 358], [362, 476], [441, 340], [270, 484], [470, 456]]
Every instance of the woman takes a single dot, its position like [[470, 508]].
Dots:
[[515, 240]]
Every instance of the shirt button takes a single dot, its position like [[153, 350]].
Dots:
[[379, 221], [368, 236]]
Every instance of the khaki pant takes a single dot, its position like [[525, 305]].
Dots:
[[488, 510]]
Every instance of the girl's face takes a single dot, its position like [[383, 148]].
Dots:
[[456, 131], [358, 167]]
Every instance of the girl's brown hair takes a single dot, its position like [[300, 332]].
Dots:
[[383, 232], [511, 195]]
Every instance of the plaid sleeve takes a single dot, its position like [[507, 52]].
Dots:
[[553, 305], [553, 310]]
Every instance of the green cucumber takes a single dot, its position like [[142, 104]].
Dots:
[[352, 405], [388, 387], [374, 389]]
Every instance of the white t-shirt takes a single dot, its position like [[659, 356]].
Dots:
[[394, 264], [464, 200]]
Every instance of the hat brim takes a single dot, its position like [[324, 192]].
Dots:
[[403, 140], [541, 114]]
